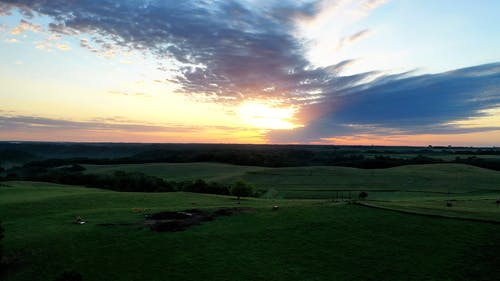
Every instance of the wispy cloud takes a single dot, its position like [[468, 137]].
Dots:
[[51, 43], [63, 47], [114, 129], [26, 26], [34, 123], [369, 5], [11, 40], [353, 38]]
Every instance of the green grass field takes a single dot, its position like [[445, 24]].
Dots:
[[177, 171], [303, 240], [418, 188], [413, 181]]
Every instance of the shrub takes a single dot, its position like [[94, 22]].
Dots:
[[363, 195]]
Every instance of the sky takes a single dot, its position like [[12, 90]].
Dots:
[[346, 72]]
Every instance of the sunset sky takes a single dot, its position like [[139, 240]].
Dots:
[[371, 72]]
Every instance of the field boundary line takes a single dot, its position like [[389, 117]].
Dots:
[[426, 215]]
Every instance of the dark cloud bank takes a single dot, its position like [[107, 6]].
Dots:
[[231, 51], [223, 49], [424, 104]]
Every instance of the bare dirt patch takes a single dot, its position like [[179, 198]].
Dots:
[[178, 220], [182, 220]]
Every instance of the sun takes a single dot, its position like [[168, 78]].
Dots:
[[265, 116]]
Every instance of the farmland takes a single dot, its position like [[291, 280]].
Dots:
[[432, 221], [304, 239]]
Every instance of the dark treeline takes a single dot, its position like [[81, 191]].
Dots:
[[117, 181], [367, 157], [266, 160], [69, 170], [479, 152]]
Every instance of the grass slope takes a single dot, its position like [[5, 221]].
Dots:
[[325, 182], [484, 209], [177, 171], [417, 188], [304, 240], [316, 181]]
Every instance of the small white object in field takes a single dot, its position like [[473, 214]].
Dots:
[[275, 207], [79, 220]]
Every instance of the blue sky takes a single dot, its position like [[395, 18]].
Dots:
[[439, 35], [325, 71]]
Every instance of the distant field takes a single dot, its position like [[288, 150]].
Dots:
[[303, 240], [413, 181], [445, 157], [177, 171], [418, 188], [471, 208]]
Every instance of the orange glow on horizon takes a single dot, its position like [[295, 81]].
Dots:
[[264, 116], [486, 139]]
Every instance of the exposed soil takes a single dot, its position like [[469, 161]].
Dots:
[[182, 220], [179, 220]]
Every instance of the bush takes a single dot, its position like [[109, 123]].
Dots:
[[363, 195], [201, 186]]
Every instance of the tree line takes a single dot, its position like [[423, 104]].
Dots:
[[117, 181], [273, 160]]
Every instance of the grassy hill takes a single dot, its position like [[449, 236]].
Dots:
[[426, 178], [177, 171], [326, 182], [417, 188], [303, 240]]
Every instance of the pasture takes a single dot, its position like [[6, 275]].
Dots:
[[473, 191], [176, 171], [412, 182], [303, 240]]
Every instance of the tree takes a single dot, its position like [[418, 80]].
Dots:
[[363, 195], [242, 189]]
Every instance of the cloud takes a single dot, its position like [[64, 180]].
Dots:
[[353, 38], [11, 40], [229, 51], [29, 124], [401, 105], [26, 26], [225, 50], [4, 9], [51, 43], [369, 5], [63, 47], [113, 129]]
